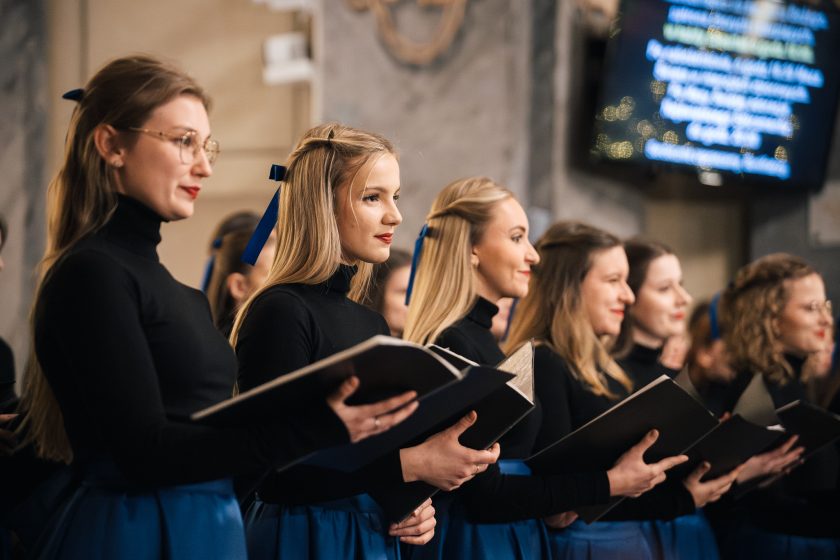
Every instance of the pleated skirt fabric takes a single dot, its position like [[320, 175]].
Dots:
[[688, 537], [601, 540], [520, 540], [108, 518], [352, 527], [751, 542]]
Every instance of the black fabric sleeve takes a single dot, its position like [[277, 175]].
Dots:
[[455, 341], [493, 497], [666, 501], [552, 386], [277, 337], [90, 329]]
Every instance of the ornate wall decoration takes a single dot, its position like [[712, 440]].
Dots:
[[406, 50]]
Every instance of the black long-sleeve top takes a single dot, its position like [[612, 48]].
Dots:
[[806, 502], [643, 365], [8, 398], [571, 405], [288, 327], [495, 497], [130, 353]]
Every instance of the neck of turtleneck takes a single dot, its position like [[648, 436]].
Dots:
[[796, 363], [340, 280], [483, 312], [645, 354], [135, 227]]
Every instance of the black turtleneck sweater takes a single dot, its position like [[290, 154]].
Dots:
[[643, 365], [130, 353], [572, 405], [288, 327], [495, 497], [806, 502]]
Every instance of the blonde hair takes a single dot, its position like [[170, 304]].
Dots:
[[308, 242], [444, 283], [82, 197], [750, 308], [552, 313]]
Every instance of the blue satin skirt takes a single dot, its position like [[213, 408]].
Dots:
[[749, 542], [688, 537], [108, 518], [519, 540], [602, 540], [348, 528]]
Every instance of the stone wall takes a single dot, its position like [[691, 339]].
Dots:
[[23, 76]]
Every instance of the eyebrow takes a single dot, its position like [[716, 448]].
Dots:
[[521, 229], [190, 129], [380, 189]]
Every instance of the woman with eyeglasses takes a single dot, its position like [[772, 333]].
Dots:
[[774, 315], [123, 353]]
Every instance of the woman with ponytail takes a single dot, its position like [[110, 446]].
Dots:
[[123, 353], [476, 252], [576, 300], [337, 214]]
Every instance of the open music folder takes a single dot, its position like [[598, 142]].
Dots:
[[498, 412]]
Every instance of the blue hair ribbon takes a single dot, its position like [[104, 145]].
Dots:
[[415, 259], [267, 222], [211, 263], [74, 95], [714, 323]]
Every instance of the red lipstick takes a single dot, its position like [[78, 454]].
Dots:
[[385, 238], [192, 191]]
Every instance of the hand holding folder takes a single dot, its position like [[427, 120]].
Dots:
[[365, 420]]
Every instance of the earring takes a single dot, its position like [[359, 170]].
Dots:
[[116, 163]]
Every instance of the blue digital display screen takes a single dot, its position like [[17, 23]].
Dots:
[[747, 89]]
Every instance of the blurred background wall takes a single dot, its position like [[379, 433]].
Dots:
[[504, 95]]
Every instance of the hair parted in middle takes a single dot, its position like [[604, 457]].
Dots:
[[553, 314], [750, 309], [308, 243], [640, 253], [445, 284]]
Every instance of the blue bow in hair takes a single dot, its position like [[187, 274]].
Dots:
[[714, 324], [415, 259], [211, 263], [263, 229], [74, 95]]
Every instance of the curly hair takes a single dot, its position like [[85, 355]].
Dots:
[[750, 309]]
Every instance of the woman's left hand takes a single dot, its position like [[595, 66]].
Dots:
[[417, 528]]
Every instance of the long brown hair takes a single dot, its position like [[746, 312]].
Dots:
[[227, 261], [445, 283], [308, 243], [552, 313], [750, 309], [82, 197], [640, 253]]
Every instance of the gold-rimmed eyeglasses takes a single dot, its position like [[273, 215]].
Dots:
[[188, 144], [818, 306]]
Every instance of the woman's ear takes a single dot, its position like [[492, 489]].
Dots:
[[109, 145], [237, 285], [474, 258]]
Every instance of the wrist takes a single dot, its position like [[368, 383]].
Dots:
[[614, 479], [408, 459]]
